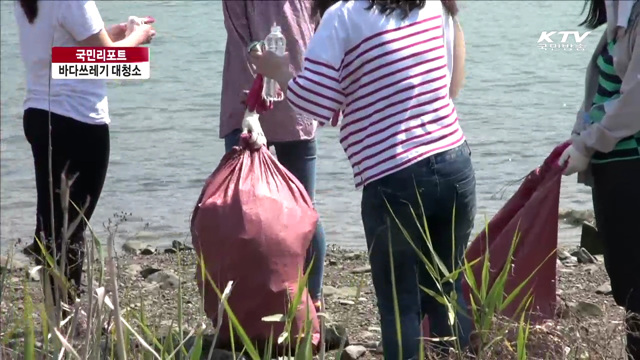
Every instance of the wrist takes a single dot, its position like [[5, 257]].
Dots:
[[283, 77]]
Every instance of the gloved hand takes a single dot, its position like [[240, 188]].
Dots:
[[251, 125], [576, 162]]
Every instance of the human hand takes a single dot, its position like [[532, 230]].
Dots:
[[144, 33], [270, 64], [251, 125], [141, 29], [117, 32], [574, 160]]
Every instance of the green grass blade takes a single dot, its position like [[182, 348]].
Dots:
[[29, 335]]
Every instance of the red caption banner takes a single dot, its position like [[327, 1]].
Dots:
[[99, 55]]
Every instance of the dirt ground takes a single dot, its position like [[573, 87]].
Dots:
[[589, 322]]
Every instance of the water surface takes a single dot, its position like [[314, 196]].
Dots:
[[517, 104]]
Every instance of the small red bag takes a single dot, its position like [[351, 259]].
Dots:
[[252, 225]]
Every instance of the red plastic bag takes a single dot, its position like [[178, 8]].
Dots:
[[255, 102], [533, 212], [252, 225]]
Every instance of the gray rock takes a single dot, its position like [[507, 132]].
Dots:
[[11, 264], [576, 217], [346, 302], [604, 289], [353, 256], [180, 246], [344, 292], [571, 261], [148, 250], [369, 335], [361, 270], [135, 247], [134, 269], [348, 291], [563, 254], [584, 257], [374, 329], [166, 279], [585, 309], [353, 352], [328, 290], [590, 239], [148, 272], [372, 345], [591, 268]]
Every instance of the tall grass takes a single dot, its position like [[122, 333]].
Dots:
[[488, 300], [113, 331]]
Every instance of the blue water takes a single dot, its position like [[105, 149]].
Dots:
[[518, 103]]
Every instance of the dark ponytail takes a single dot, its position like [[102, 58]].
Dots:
[[387, 6], [30, 8], [597, 14], [451, 7]]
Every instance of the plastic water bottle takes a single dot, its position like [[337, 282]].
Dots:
[[275, 42]]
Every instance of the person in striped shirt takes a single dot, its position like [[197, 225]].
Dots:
[[383, 65]]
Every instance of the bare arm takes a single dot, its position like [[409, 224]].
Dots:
[[82, 20], [102, 39], [459, 54]]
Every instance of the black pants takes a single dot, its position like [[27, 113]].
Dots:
[[616, 201], [83, 151]]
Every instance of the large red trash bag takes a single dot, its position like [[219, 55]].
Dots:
[[252, 225], [533, 212]]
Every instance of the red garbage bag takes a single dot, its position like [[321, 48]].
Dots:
[[533, 212], [252, 225]]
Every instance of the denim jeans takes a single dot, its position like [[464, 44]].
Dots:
[[431, 189], [299, 157]]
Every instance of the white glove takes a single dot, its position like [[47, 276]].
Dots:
[[132, 23], [251, 125], [576, 161]]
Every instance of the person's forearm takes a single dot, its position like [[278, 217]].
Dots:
[[110, 30], [131, 41], [459, 54]]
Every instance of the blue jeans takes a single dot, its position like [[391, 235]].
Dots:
[[299, 157], [431, 188]]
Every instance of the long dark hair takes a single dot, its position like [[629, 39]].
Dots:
[[387, 7], [597, 14], [30, 8]]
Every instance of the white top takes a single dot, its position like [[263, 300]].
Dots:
[[624, 11], [61, 23], [389, 77]]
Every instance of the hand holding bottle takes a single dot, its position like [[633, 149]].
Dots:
[[141, 28]]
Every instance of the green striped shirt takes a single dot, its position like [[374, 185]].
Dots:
[[609, 84]]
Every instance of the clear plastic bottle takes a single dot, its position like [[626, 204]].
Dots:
[[275, 42]]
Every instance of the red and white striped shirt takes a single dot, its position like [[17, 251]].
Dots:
[[389, 78]]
